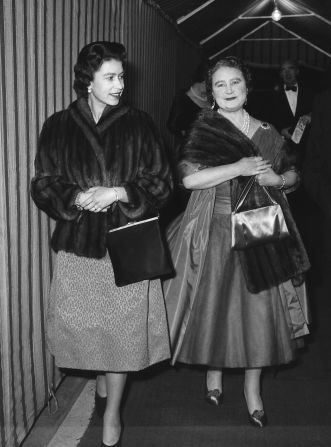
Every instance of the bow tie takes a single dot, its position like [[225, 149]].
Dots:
[[294, 88]]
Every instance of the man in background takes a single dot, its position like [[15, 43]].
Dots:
[[291, 100], [290, 112]]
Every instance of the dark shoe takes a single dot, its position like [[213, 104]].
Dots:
[[100, 404], [214, 397], [258, 418]]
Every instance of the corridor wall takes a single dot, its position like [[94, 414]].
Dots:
[[39, 43]]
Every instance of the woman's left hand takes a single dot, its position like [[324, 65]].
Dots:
[[98, 199], [269, 178]]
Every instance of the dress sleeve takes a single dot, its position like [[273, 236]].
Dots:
[[186, 168], [152, 185], [50, 191]]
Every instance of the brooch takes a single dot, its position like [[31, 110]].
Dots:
[[265, 126]]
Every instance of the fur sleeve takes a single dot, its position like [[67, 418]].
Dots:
[[49, 190], [151, 187]]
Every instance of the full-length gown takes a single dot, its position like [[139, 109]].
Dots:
[[214, 319]]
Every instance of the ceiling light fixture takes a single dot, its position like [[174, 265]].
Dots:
[[276, 15]]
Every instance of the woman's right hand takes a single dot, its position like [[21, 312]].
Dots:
[[248, 166]]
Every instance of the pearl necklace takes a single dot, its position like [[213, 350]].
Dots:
[[245, 125], [197, 96]]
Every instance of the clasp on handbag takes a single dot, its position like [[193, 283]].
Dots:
[[134, 222], [246, 190]]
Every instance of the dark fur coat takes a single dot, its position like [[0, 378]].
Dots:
[[215, 141], [123, 149]]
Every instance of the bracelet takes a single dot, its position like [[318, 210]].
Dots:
[[116, 195], [282, 186]]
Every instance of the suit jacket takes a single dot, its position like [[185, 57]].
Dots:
[[281, 115], [74, 153], [317, 167]]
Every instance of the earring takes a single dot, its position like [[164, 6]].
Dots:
[[89, 89], [246, 97], [213, 104]]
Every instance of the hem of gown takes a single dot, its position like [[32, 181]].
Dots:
[[121, 369], [235, 365]]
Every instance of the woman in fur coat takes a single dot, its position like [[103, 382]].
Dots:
[[100, 164], [234, 308]]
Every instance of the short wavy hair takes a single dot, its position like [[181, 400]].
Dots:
[[90, 60], [232, 62]]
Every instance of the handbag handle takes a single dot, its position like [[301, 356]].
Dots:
[[246, 190]]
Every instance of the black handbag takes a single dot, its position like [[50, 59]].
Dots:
[[138, 252], [256, 226]]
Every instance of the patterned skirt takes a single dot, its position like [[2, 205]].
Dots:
[[95, 325]]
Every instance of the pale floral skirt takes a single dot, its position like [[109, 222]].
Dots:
[[95, 325]]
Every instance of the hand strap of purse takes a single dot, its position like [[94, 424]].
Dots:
[[246, 190]]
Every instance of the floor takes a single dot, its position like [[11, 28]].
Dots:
[[53, 419], [164, 406]]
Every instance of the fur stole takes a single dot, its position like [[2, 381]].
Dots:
[[215, 141]]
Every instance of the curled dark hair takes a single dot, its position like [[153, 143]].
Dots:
[[232, 62], [90, 60]]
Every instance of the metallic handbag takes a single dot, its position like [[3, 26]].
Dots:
[[257, 226], [138, 252]]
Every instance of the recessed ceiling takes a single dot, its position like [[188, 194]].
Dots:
[[218, 25]]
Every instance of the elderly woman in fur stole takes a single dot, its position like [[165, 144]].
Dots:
[[101, 164], [227, 308]]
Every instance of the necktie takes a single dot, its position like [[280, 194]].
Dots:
[[291, 87]]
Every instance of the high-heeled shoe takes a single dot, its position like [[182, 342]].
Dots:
[[258, 418], [100, 404], [214, 397], [118, 444]]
